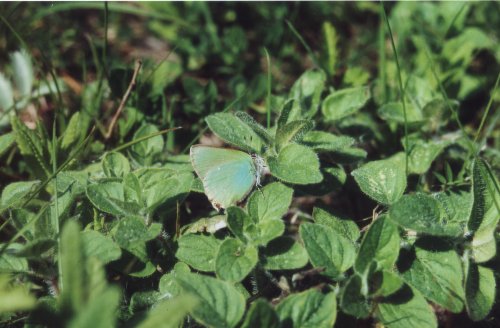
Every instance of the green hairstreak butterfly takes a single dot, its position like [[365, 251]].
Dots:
[[228, 175]]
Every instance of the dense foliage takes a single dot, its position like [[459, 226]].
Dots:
[[376, 131]]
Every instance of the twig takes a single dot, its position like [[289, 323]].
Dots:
[[138, 64]]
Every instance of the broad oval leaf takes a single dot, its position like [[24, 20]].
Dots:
[[14, 193], [292, 132], [236, 132], [380, 244], [352, 300], [296, 164], [328, 249], [480, 290], [109, 197], [307, 93], [422, 155], [97, 245], [393, 112], [284, 253], [169, 313], [383, 180], [144, 152], [198, 251], [406, 308], [7, 139], [269, 203], [485, 211], [220, 304], [436, 271], [235, 260], [261, 314], [321, 141], [342, 103], [309, 309], [131, 233], [115, 165], [424, 213], [343, 226]]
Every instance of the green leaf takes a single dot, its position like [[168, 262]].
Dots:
[[349, 155], [480, 290], [485, 211], [384, 283], [331, 38], [72, 258], [334, 178], [308, 309], [236, 132], [436, 271], [32, 146], [143, 300], [235, 260], [352, 301], [292, 132], [220, 304], [10, 262], [115, 165], [307, 93], [422, 155], [457, 204], [169, 313], [393, 112], [345, 102], [285, 113], [383, 180], [345, 227], [13, 194], [256, 127], [6, 140], [424, 213], [380, 244], [296, 164], [270, 203], [132, 234], [198, 251], [261, 314], [164, 73], [14, 298], [109, 197], [328, 249], [168, 286], [266, 208], [36, 248], [406, 308], [284, 253], [97, 245], [461, 48], [73, 133], [144, 152], [437, 113], [162, 188], [321, 141], [252, 231], [240, 224]]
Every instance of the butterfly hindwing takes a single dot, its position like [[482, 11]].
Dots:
[[228, 175]]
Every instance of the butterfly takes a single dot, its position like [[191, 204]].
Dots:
[[228, 175]]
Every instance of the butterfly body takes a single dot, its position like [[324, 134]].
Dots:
[[227, 175]]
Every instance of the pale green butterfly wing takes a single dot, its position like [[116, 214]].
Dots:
[[228, 175]]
